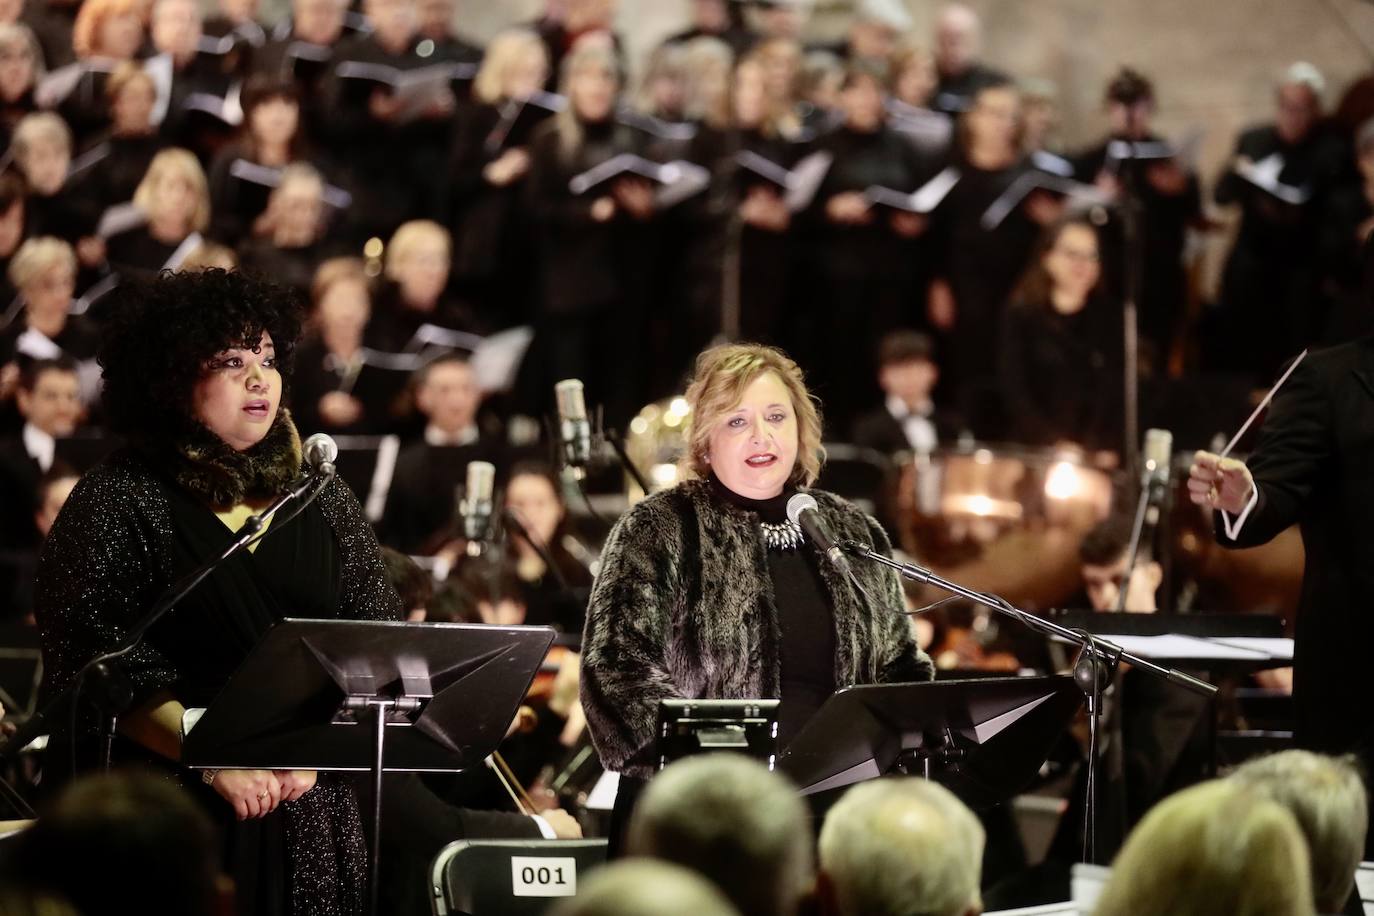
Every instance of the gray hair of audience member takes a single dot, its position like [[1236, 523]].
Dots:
[[1302, 73], [1327, 796], [725, 816], [645, 887], [901, 847], [1216, 847]]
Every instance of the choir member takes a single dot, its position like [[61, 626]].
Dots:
[[414, 296], [106, 33], [958, 43], [109, 171], [1269, 286], [49, 402], [782, 62], [863, 253], [331, 356], [175, 201], [434, 23], [706, 88], [1169, 200], [422, 501], [719, 19], [197, 108], [234, 34], [911, 94], [21, 66], [552, 578], [43, 270], [1061, 346], [567, 22], [491, 160], [589, 245], [301, 51], [42, 153], [874, 31], [293, 240]]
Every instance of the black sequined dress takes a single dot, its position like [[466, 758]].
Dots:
[[126, 533]]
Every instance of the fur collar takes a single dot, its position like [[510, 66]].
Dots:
[[206, 466]]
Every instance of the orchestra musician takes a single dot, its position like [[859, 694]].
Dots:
[[195, 367], [708, 590]]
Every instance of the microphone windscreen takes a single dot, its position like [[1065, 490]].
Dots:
[[571, 400], [1158, 452], [318, 448], [798, 504], [481, 479]]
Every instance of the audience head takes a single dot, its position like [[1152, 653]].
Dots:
[[590, 80], [319, 22], [21, 61], [132, 96], [446, 393], [43, 270], [177, 347], [958, 39], [413, 584], [727, 817], [1298, 100], [752, 423], [907, 368], [104, 829], [174, 192], [893, 847], [645, 888], [49, 395], [342, 298], [1217, 847], [42, 145], [1130, 99], [1065, 269], [54, 488], [516, 65], [1103, 555], [533, 497], [176, 29], [110, 28], [1327, 797], [913, 76], [418, 259], [483, 590]]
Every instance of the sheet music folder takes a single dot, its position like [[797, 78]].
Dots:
[[985, 739], [287, 706]]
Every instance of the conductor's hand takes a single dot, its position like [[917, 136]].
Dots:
[[1220, 483], [563, 824], [294, 783], [253, 793]]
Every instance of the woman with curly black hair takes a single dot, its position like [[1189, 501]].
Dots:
[[195, 369]]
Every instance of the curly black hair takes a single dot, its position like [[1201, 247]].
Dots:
[[158, 334]]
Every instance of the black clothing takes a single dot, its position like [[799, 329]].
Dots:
[[1269, 292], [881, 431], [286, 57], [1164, 222], [77, 339], [1062, 374], [425, 487], [293, 267], [110, 170], [394, 323], [738, 37], [315, 372], [1311, 468], [135, 253], [126, 533], [806, 650], [20, 475], [68, 215]]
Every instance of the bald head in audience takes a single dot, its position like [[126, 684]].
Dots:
[[1328, 798], [900, 847], [727, 817], [645, 888]]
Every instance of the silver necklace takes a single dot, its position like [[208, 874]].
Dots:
[[785, 535]]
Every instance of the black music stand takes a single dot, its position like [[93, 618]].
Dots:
[[985, 739], [378, 696]]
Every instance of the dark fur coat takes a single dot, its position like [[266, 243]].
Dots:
[[683, 607]]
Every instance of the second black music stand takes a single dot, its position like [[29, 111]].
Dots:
[[985, 739], [369, 696]]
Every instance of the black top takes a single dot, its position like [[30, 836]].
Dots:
[[806, 653]]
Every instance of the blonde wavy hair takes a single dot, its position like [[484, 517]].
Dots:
[[504, 53], [1217, 847], [170, 163], [718, 383]]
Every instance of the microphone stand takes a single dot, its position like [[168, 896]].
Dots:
[[1097, 662], [115, 700]]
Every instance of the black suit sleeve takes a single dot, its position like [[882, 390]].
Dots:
[[1291, 458]]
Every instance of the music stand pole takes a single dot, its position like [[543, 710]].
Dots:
[[1098, 659]]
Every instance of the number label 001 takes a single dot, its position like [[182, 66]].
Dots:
[[534, 876]]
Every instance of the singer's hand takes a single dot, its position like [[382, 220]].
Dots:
[[253, 793], [294, 783], [1220, 483]]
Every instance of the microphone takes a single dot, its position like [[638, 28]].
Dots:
[[1154, 479], [801, 509], [476, 505], [574, 431], [320, 452]]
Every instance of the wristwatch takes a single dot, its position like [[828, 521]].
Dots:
[[208, 776]]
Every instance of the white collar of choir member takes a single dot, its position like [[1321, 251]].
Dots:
[[437, 437], [40, 446], [897, 407]]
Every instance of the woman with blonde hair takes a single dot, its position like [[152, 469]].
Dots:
[[21, 66], [106, 33], [174, 200], [709, 591], [414, 309], [491, 158], [110, 170], [1217, 847]]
